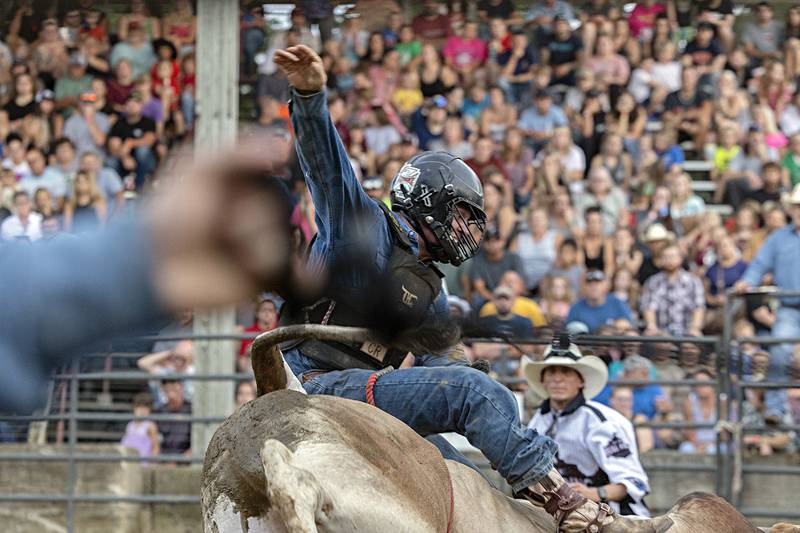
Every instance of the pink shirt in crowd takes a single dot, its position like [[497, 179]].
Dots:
[[465, 53], [643, 18]]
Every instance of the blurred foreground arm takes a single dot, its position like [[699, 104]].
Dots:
[[216, 233]]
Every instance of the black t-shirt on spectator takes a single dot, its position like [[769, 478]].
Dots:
[[761, 196], [703, 55], [503, 10], [16, 112], [177, 435], [676, 101], [524, 63], [124, 130], [564, 51]]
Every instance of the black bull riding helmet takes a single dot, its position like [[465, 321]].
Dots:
[[439, 191]]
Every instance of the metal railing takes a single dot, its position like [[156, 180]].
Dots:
[[727, 468]]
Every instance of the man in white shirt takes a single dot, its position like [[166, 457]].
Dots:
[[597, 452], [24, 223], [42, 176]]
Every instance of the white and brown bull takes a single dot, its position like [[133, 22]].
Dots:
[[290, 462]]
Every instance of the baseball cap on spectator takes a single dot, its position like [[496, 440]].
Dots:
[[88, 97], [657, 232], [45, 94], [577, 327], [78, 59], [595, 275], [503, 292], [460, 303]]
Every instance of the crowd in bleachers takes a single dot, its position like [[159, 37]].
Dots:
[[634, 157]]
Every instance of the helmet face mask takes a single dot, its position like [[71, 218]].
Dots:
[[440, 193]]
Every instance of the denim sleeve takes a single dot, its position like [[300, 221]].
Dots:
[[763, 261], [62, 296], [345, 215]]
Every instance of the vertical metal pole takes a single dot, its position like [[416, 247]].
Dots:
[[218, 108], [723, 379], [72, 473]]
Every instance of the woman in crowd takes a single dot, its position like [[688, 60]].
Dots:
[[86, 208], [139, 14], [537, 246], [555, 299], [518, 160], [498, 117], [613, 157], [21, 105]]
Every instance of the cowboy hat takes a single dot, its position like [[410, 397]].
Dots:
[[792, 197], [591, 368]]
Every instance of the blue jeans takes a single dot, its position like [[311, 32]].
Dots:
[[787, 324], [434, 400], [187, 108]]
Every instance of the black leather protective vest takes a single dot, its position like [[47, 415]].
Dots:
[[408, 288]]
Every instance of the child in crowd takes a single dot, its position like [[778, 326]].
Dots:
[[142, 435]]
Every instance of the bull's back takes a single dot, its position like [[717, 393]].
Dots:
[[351, 447]]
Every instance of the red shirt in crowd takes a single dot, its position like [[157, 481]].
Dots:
[[429, 29], [247, 342]]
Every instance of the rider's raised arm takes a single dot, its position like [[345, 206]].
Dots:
[[341, 204]]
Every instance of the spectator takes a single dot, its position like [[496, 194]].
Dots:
[[763, 39], [520, 304], [44, 176], [686, 206], [131, 142], [489, 265], [642, 19], [135, 49], [572, 158], [43, 202], [597, 250], [538, 122], [175, 361], [21, 105], [68, 89], [645, 397], [485, 162], [453, 140], [555, 299], [431, 26], [689, 108], [121, 86], [86, 208], [777, 257], [266, 319], [465, 52], [537, 247], [518, 69], [568, 265], [598, 307], [607, 199], [23, 224], [88, 128], [409, 47], [722, 275], [562, 52], [176, 436], [498, 117], [139, 15], [108, 181], [245, 392], [673, 300], [769, 440], [50, 53], [622, 402], [504, 321], [142, 435], [609, 67], [700, 408]]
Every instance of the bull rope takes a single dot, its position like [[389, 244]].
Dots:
[[370, 394]]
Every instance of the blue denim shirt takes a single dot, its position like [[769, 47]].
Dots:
[[780, 255], [349, 223]]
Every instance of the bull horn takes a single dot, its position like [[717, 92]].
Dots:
[[266, 357]]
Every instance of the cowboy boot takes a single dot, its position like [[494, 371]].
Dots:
[[572, 512]]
